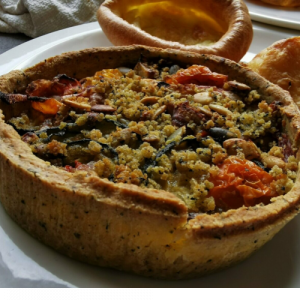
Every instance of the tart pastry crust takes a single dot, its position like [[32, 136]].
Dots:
[[123, 226], [125, 23]]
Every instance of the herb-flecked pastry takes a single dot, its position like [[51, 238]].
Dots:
[[164, 163]]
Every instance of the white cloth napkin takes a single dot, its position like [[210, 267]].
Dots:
[[38, 17]]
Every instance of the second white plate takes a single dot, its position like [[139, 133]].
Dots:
[[274, 15]]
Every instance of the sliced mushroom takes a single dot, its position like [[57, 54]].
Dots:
[[103, 108], [205, 111], [249, 149], [150, 138], [159, 111], [179, 132], [220, 109], [231, 95], [125, 135], [79, 105], [203, 98], [124, 70], [238, 86], [270, 161], [96, 98], [150, 100], [145, 72]]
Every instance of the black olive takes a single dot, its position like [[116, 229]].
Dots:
[[162, 84], [189, 142], [261, 165], [220, 135]]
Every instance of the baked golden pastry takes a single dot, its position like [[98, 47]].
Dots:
[[129, 215], [286, 3], [222, 28], [279, 63]]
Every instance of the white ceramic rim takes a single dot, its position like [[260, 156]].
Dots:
[[274, 15]]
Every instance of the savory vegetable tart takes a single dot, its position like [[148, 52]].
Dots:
[[216, 27], [160, 162]]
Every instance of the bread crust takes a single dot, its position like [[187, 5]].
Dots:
[[233, 14], [278, 63], [123, 226], [286, 3]]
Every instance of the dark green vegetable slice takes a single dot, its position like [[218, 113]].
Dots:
[[162, 84], [86, 141], [152, 163], [220, 134]]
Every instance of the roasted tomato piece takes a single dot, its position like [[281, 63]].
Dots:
[[60, 85], [197, 75], [286, 145], [69, 168], [184, 113], [70, 85], [110, 73], [78, 166], [44, 88], [48, 107], [66, 80], [241, 182]]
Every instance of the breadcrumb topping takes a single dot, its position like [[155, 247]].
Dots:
[[171, 131]]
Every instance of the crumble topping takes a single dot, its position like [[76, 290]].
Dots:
[[214, 143]]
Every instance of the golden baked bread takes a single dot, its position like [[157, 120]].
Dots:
[[286, 3], [216, 27], [148, 231], [279, 63]]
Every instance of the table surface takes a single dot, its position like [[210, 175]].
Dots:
[[8, 41]]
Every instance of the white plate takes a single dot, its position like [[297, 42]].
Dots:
[[274, 15], [24, 262]]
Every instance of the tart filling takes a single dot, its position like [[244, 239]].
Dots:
[[216, 144]]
